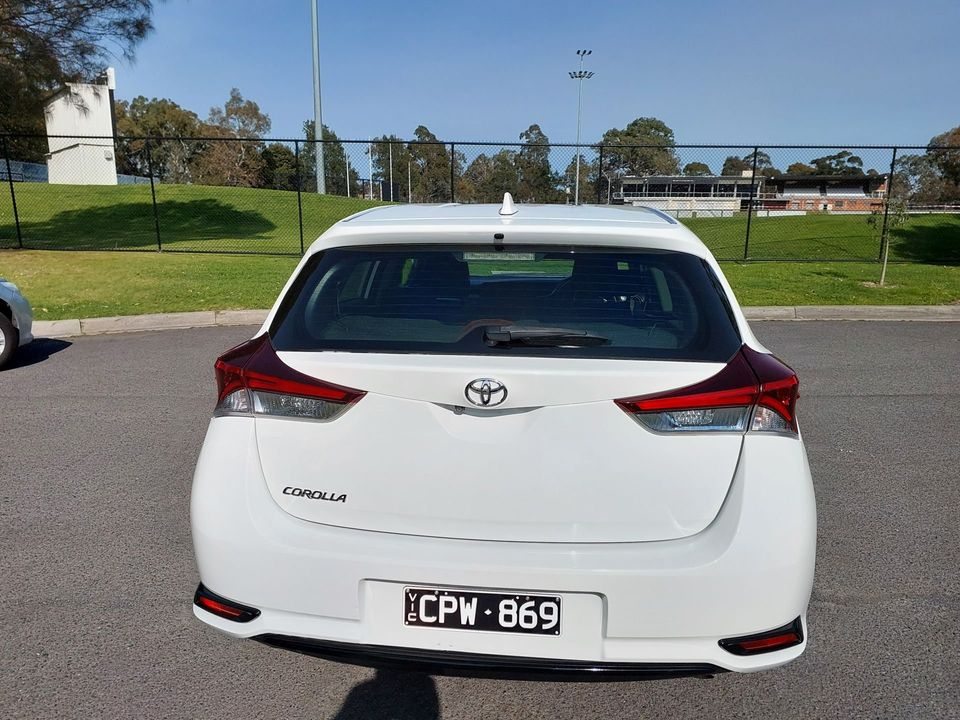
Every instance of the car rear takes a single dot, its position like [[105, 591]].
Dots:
[[540, 451]]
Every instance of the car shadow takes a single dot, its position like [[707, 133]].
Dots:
[[37, 351], [391, 695]]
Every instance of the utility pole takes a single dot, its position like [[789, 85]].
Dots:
[[317, 113], [579, 76], [346, 159], [390, 152]]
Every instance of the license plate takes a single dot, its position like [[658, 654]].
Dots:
[[485, 611]]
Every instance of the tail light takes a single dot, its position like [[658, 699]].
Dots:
[[754, 392], [779, 639], [251, 379], [213, 603]]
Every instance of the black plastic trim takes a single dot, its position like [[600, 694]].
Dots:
[[436, 662], [249, 613], [732, 645]]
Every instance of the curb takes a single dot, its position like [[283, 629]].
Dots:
[[213, 318], [141, 323]]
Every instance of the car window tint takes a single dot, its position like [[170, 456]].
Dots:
[[443, 299]]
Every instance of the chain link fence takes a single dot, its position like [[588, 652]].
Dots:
[[265, 196]]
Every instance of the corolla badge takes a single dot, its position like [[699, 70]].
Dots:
[[485, 392]]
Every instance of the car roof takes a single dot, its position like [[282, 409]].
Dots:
[[455, 212], [532, 224]]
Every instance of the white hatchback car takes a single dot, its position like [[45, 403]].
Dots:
[[524, 441]]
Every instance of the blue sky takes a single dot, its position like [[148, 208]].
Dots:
[[792, 71]]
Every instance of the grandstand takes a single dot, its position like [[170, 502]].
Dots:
[[727, 195]]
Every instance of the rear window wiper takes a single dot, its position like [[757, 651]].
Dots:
[[494, 335]]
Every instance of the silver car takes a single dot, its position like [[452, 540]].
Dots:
[[16, 320]]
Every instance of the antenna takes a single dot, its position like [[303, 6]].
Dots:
[[507, 208]]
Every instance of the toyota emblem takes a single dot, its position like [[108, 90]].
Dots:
[[485, 392]]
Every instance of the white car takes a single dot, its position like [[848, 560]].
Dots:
[[521, 440], [16, 320]]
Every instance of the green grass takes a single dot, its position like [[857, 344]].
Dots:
[[100, 284], [191, 217], [96, 284], [922, 238], [198, 218]]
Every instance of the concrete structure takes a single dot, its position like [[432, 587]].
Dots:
[[724, 195], [826, 193], [703, 195], [85, 112]]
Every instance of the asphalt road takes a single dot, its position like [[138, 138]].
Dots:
[[98, 439]]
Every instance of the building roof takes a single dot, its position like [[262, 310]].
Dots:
[[830, 178], [705, 179]]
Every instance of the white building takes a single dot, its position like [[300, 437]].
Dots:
[[84, 112]]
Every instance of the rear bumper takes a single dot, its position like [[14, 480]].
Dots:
[[442, 662], [636, 606]]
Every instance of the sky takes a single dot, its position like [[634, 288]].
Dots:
[[781, 71]]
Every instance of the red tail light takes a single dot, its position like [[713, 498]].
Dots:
[[252, 379], [213, 603], [754, 391], [779, 639]]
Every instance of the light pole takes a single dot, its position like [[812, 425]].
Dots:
[[317, 114], [579, 76]]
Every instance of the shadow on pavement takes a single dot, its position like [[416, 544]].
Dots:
[[392, 696], [37, 351]]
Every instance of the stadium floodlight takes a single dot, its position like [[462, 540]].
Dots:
[[580, 75]]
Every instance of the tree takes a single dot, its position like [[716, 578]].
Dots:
[[431, 181], [486, 179], [946, 161], [46, 43], [334, 163], [696, 168], [279, 167], [799, 168], [536, 181], [240, 118], [233, 156], [172, 158], [652, 152], [734, 165], [841, 163], [387, 149], [918, 179], [588, 180]]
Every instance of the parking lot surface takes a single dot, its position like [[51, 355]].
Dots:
[[98, 440]]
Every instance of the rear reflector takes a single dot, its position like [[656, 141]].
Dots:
[[754, 391], [251, 379], [220, 606], [779, 639]]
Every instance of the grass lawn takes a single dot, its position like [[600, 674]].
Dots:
[[197, 217], [82, 283], [95, 284], [191, 217]]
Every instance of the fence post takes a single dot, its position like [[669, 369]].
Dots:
[[296, 155], [453, 166], [153, 195], [600, 176], [13, 195], [753, 184], [884, 238]]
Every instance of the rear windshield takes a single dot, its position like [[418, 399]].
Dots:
[[529, 301]]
